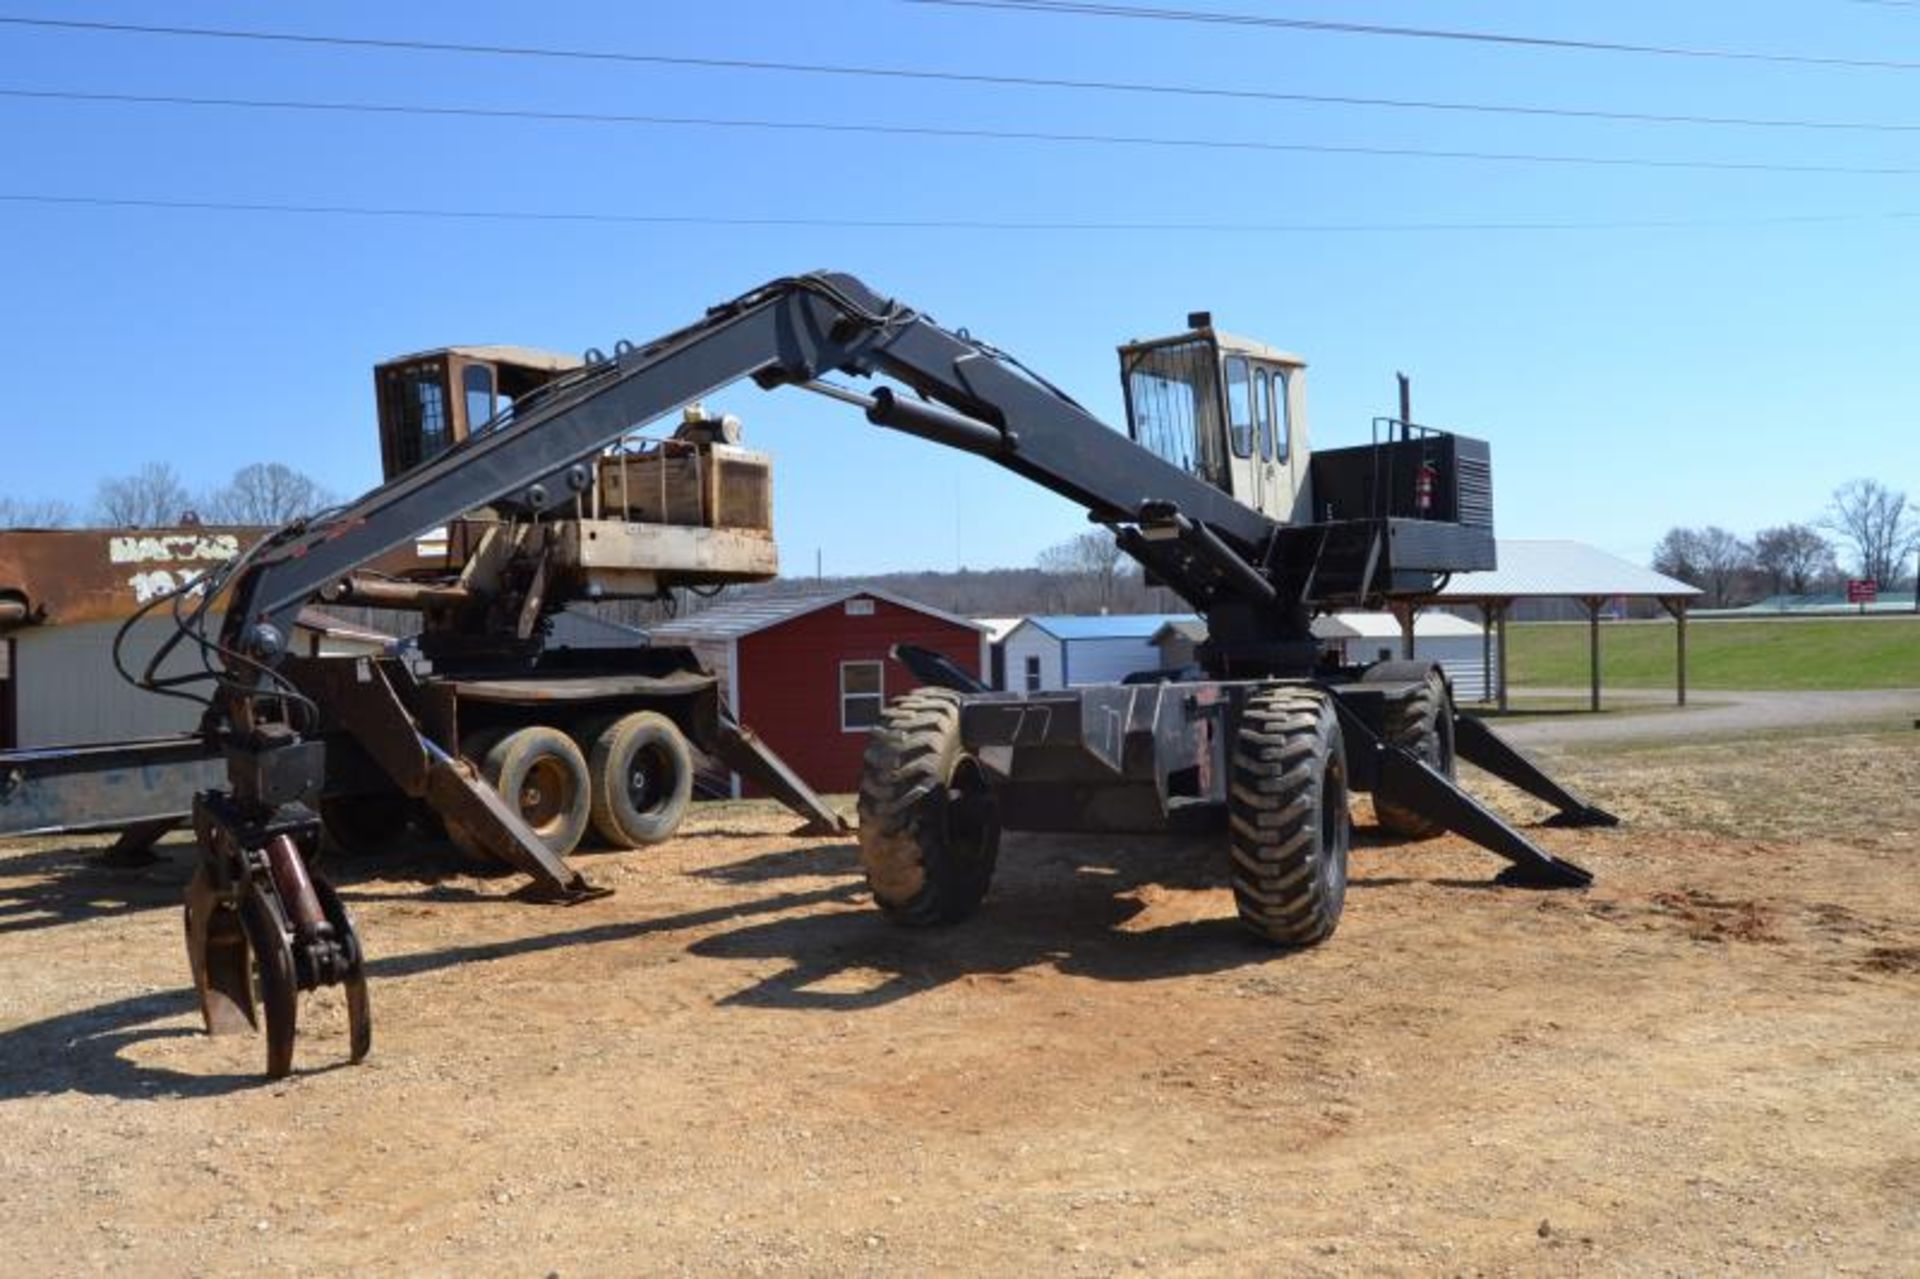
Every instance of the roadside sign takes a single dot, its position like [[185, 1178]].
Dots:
[[1862, 590]]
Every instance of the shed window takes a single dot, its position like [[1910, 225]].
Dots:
[[862, 692], [1033, 674]]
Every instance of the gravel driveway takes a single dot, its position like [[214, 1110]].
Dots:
[[1715, 713]]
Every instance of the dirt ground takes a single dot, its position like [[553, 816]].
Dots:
[[1708, 1062]]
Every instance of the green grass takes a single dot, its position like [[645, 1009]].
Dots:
[[1817, 653]]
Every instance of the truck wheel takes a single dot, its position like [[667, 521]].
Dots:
[[473, 748], [367, 825], [642, 772], [1422, 724], [541, 773], [929, 826], [1288, 825]]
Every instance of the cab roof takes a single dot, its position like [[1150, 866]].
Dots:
[[1232, 343], [530, 357]]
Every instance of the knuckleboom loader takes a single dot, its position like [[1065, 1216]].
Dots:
[[1212, 488]]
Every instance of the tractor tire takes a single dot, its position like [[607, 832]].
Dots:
[[367, 825], [1422, 724], [542, 775], [642, 771], [929, 826], [1288, 824]]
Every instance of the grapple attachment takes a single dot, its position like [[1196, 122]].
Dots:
[[259, 915]]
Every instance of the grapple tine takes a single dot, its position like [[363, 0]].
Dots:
[[279, 988], [353, 977], [218, 953]]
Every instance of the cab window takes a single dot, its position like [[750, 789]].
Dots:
[[1173, 406], [1239, 406], [477, 383], [1263, 415], [1282, 417], [414, 413]]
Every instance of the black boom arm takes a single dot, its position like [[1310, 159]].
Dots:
[[792, 330]]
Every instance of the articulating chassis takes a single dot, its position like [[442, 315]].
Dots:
[[1213, 491]]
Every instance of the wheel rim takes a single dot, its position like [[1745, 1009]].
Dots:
[[545, 795], [649, 778], [969, 811]]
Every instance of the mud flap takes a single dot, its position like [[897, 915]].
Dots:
[[1410, 783], [740, 749], [1474, 742]]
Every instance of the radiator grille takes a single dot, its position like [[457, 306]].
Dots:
[[1476, 492]]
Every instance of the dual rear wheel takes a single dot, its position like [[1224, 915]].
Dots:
[[629, 779]]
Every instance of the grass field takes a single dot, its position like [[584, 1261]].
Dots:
[[1816, 653]]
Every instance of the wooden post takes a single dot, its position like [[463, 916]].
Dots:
[[1678, 607], [1486, 651], [1405, 613], [1593, 603], [1500, 620]]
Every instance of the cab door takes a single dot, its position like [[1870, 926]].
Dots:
[[1243, 460]]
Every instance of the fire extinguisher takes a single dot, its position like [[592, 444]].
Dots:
[[1423, 481]]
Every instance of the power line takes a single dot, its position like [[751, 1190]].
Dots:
[[1085, 9], [954, 77], [958, 133], [930, 224]]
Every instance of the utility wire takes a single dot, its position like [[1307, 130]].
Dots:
[[1085, 9], [934, 224], [951, 77], [967, 134]]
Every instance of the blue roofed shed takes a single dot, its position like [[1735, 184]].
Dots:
[[1063, 652]]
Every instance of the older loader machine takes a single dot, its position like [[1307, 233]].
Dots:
[[1212, 490]]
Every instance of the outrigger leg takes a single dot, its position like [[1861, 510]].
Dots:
[[1410, 782]]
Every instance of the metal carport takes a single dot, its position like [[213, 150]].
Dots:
[[1559, 570]]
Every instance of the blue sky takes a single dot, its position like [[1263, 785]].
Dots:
[[1732, 370]]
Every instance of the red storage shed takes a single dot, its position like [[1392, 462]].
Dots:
[[809, 673]]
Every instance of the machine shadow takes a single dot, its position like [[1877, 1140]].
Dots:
[[1086, 905], [76, 884], [82, 1050], [1122, 909]]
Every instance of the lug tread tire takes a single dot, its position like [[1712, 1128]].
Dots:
[[919, 877], [1415, 723], [1287, 794]]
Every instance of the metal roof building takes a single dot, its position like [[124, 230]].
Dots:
[[1561, 569], [1052, 651]]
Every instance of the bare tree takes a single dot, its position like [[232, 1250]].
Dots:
[[1678, 554], [1709, 558], [1091, 566], [1723, 559], [20, 512], [1874, 522], [152, 497], [269, 493], [1793, 557]]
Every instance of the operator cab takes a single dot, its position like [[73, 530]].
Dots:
[[1226, 409], [431, 401]]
